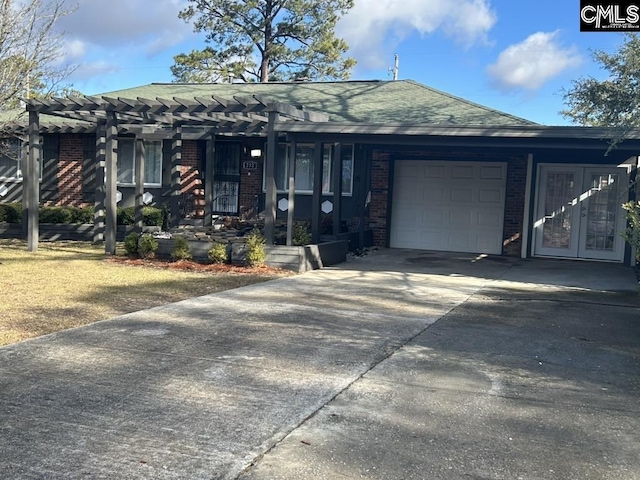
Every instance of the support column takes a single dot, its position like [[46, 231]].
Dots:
[[337, 188], [101, 188], [176, 167], [316, 199], [292, 190], [111, 167], [33, 187], [270, 182], [209, 160], [139, 169], [26, 178]]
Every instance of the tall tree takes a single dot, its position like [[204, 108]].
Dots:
[[263, 40], [615, 101], [31, 51]]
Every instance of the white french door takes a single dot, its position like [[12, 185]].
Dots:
[[579, 212]]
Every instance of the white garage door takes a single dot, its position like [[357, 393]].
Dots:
[[449, 206]]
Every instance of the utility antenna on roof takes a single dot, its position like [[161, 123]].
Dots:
[[394, 70]]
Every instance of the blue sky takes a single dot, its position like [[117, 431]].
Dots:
[[511, 55]]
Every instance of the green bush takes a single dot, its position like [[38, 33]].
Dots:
[[218, 253], [152, 216], [147, 247], [301, 235], [55, 215], [82, 215], [180, 249], [126, 216], [131, 243], [632, 234], [255, 249], [66, 215]]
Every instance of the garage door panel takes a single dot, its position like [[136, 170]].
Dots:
[[492, 173], [432, 218], [461, 195], [436, 171], [493, 195], [462, 171], [449, 206], [489, 219]]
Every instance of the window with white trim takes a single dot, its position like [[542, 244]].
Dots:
[[10, 159], [304, 168], [127, 164]]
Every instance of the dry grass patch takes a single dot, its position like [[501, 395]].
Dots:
[[65, 285]]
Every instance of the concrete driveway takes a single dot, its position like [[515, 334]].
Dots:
[[402, 364]]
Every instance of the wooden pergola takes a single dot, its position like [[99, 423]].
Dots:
[[177, 118]]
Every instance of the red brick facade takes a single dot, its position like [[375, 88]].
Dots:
[[378, 215], [250, 184], [514, 205], [192, 180], [70, 170]]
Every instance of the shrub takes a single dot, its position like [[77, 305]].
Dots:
[[180, 249], [66, 215], [152, 216], [126, 216], [255, 249], [147, 246], [55, 215], [131, 243], [632, 234], [301, 235], [218, 253], [82, 215], [13, 212]]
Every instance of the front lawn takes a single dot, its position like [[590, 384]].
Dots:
[[69, 284]]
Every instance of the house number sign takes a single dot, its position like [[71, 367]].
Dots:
[[249, 165]]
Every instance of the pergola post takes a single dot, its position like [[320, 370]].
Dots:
[[270, 182], [100, 195], [176, 170], [292, 190], [111, 166], [316, 199], [209, 160], [33, 183], [337, 188], [139, 193]]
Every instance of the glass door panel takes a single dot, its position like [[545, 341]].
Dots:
[[557, 211], [601, 215]]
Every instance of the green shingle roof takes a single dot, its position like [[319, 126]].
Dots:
[[378, 102]]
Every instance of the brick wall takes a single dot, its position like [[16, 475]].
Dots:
[[250, 184], [378, 215], [69, 173], [192, 180], [514, 205]]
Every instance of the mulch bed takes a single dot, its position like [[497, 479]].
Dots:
[[186, 265]]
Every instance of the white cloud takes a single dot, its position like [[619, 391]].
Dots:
[[373, 28], [120, 23], [531, 63]]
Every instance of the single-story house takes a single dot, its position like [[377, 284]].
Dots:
[[411, 166]]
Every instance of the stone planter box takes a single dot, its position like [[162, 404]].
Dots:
[[298, 259], [75, 232]]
